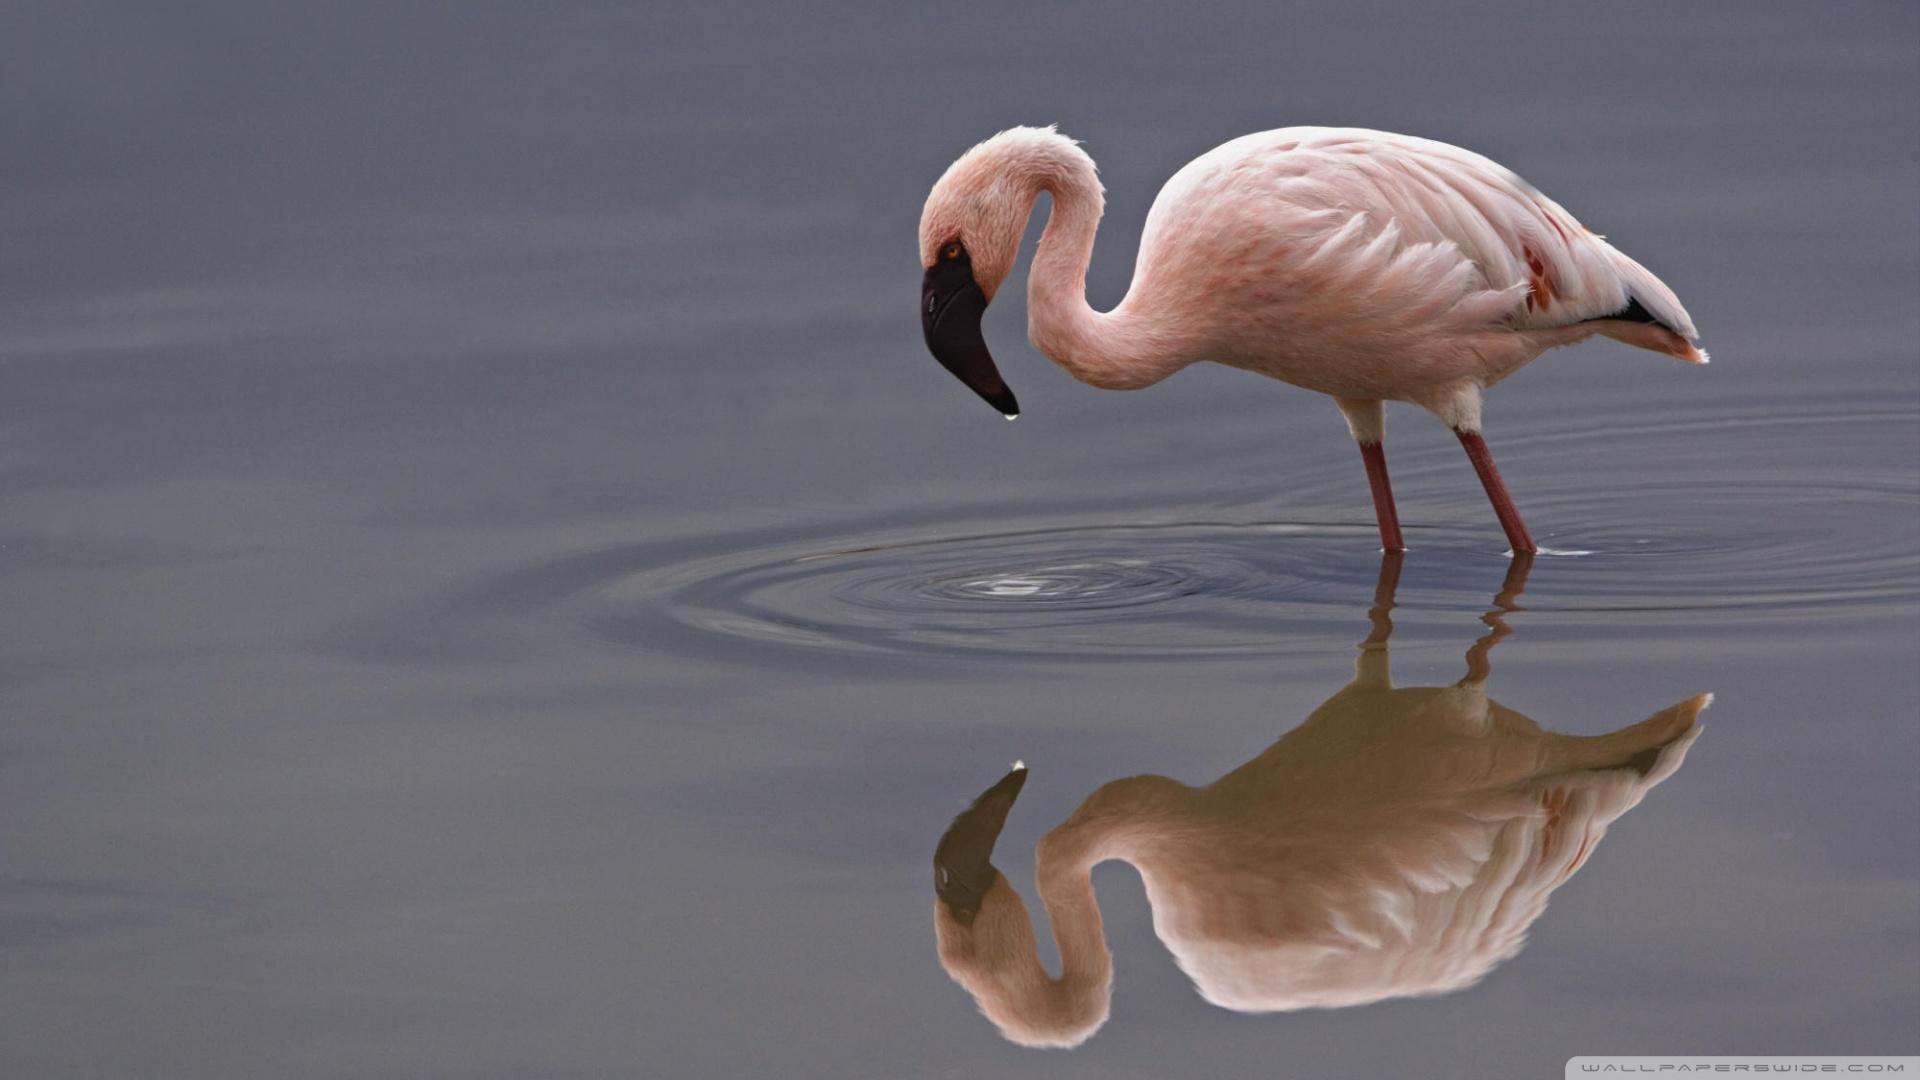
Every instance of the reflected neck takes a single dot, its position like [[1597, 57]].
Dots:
[[1030, 1006], [1064, 872]]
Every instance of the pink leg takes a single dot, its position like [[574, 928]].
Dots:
[[1375, 455], [1497, 492]]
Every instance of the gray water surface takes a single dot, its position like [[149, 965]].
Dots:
[[493, 585]]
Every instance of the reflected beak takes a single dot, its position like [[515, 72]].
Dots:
[[962, 864], [951, 304]]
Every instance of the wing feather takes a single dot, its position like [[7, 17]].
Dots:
[[1412, 204]]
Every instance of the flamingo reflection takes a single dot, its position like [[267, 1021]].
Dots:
[[1397, 843]]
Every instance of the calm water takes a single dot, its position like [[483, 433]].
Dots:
[[494, 587]]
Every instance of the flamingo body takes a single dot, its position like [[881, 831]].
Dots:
[[1364, 265], [1369, 265]]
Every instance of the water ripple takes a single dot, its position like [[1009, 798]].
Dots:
[[1715, 541], [1081, 588]]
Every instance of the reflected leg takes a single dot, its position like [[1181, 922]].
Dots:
[[1383, 590], [1480, 655], [1371, 668]]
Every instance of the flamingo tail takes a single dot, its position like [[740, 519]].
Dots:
[[1652, 318]]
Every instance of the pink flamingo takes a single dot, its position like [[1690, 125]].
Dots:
[[1368, 266]]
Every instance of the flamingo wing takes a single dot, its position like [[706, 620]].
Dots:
[[1416, 232]]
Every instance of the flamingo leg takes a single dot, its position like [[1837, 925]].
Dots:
[[1509, 514], [1375, 455]]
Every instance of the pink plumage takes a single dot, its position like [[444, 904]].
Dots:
[[1364, 265]]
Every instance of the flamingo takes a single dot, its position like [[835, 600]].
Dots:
[[1365, 265], [1399, 842]]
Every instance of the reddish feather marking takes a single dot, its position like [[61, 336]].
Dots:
[[1540, 292], [1580, 857], [1554, 802]]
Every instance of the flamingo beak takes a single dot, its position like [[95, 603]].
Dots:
[[951, 304], [962, 866]]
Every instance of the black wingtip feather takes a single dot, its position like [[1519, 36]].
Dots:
[[1633, 312]]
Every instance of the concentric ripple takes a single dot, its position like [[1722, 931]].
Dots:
[[1734, 538], [1075, 588], [1086, 585]]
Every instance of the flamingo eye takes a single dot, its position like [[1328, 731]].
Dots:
[[952, 252]]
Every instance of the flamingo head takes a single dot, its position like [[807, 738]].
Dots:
[[986, 940], [963, 870], [969, 237]]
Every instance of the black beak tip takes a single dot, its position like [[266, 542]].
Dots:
[[1004, 401], [994, 392], [1009, 785]]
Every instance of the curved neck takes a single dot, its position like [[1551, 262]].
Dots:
[[1014, 989], [1112, 823], [1110, 350], [1000, 963], [1064, 873]]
